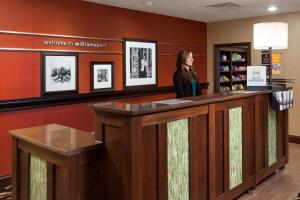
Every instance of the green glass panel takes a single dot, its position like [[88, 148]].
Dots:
[[235, 147], [272, 135], [178, 160], [38, 179]]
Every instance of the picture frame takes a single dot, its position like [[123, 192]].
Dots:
[[59, 73], [140, 64], [102, 74]]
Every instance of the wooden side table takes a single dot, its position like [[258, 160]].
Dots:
[[55, 162]]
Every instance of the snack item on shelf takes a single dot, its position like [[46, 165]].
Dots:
[[224, 79], [238, 87], [224, 57], [224, 69], [237, 57], [239, 68], [239, 77], [224, 89]]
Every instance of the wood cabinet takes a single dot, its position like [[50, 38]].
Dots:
[[56, 162]]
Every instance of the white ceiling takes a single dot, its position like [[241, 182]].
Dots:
[[196, 10]]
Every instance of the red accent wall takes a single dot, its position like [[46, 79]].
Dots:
[[20, 71]]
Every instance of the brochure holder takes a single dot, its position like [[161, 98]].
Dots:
[[282, 100]]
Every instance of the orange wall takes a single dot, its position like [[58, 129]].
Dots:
[[20, 71]]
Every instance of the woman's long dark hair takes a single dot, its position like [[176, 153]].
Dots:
[[181, 60]]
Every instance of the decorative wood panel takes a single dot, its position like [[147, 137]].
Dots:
[[235, 147], [178, 159], [272, 136], [38, 178]]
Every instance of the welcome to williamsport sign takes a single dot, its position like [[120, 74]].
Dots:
[[73, 44], [26, 41]]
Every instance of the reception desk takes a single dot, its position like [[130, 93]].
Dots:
[[208, 147], [55, 162]]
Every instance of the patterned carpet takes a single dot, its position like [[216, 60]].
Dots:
[[5, 193]]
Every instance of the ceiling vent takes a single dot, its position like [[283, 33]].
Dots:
[[226, 5]]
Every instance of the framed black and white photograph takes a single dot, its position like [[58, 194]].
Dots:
[[59, 73], [140, 63], [101, 76]]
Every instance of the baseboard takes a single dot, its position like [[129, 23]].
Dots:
[[294, 139], [5, 181]]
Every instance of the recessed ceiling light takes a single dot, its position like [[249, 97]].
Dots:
[[148, 3], [272, 8]]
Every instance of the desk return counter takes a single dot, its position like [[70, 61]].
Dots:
[[208, 147]]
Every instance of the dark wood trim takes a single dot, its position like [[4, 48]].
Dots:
[[160, 118], [226, 179], [239, 44], [5, 181], [212, 151], [162, 162], [294, 139], [286, 135], [136, 162], [50, 181], [40, 102], [14, 179], [24, 161]]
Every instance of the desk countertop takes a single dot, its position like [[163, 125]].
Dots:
[[135, 109], [57, 138]]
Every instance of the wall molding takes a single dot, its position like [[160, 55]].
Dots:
[[92, 38], [56, 35], [5, 181], [80, 51], [294, 139], [40, 102], [59, 50]]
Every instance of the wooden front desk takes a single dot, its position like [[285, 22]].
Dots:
[[55, 162], [208, 147]]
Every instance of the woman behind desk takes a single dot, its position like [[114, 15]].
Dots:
[[185, 78]]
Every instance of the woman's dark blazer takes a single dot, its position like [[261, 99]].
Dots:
[[183, 87]]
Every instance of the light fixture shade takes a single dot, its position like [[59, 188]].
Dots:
[[270, 34]]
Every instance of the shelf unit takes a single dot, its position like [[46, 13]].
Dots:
[[231, 67]]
